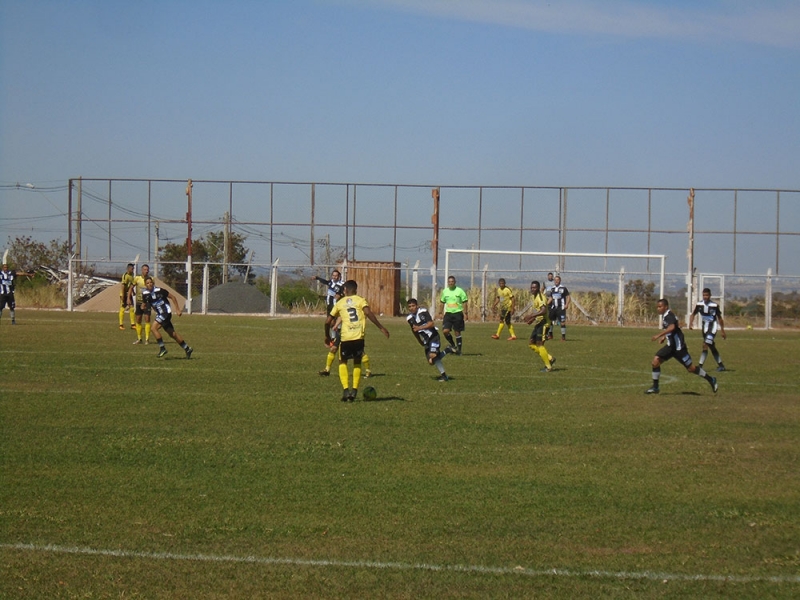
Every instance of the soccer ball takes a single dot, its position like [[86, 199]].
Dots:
[[370, 393]]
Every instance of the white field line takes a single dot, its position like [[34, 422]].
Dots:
[[399, 566]]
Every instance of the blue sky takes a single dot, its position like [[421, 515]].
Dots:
[[459, 92]]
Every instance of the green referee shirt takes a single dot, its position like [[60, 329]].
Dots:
[[453, 300]]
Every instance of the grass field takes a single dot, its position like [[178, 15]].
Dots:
[[240, 474]]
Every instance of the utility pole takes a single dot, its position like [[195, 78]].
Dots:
[[189, 248], [435, 242], [690, 254], [226, 241]]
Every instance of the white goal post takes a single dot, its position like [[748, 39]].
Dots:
[[605, 270]]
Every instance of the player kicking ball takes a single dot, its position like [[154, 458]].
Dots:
[[159, 300], [424, 329]]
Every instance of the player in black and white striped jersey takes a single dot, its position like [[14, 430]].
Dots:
[[7, 283], [712, 322], [424, 329]]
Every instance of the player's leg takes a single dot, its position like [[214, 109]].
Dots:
[[687, 362], [563, 320], [365, 365], [664, 353], [147, 326], [122, 302]]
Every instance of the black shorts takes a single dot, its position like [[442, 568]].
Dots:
[[351, 350], [165, 321], [537, 335], [142, 311], [453, 321], [505, 316], [682, 355], [558, 315], [433, 346], [7, 300]]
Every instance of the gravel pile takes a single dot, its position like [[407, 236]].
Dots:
[[234, 298]]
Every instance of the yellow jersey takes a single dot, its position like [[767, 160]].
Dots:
[[506, 297], [127, 282], [354, 321], [538, 302], [138, 282]]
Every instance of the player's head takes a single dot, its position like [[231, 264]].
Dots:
[[662, 306], [412, 305], [501, 283], [5, 267], [557, 280], [145, 270], [350, 287], [534, 287], [549, 277], [149, 283], [706, 294], [130, 267], [451, 282], [336, 275]]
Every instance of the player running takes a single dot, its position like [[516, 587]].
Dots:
[[675, 347], [159, 300], [424, 329], [540, 319], [711, 316]]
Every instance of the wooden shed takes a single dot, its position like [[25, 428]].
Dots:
[[379, 283]]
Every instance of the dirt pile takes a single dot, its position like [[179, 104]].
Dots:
[[108, 299]]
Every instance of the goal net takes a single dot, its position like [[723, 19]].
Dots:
[[479, 270]]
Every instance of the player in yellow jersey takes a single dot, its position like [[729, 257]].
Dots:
[[540, 319], [505, 298], [354, 312], [142, 308], [124, 297]]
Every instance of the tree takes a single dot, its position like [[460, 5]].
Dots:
[[26, 254], [207, 249]]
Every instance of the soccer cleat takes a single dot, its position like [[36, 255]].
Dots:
[[449, 350], [512, 338], [546, 370], [345, 395], [351, 397], [367, 373], [458, 352], [552, 361], [189, 351], [133, 326], [652, 390], [13, 322], [122, 326], [162, 352], [443, 377], [714, 384], [137, 342], [721, 368], [563, 339], [495, 336], [147, 342], [324, 373]]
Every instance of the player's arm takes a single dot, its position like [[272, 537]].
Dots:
[[329, 321], [692, 316], [538, 313], [721, 326], [173, 299], [566, 299], [662, 335], [371, 316]]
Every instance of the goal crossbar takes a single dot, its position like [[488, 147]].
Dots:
[[659, 257]]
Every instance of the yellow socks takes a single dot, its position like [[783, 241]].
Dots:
[[329, 360], [356, 376], [510, 331], [344, 376], [139, 330], [146, 331]]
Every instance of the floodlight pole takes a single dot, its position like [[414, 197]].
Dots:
[[434, 244]]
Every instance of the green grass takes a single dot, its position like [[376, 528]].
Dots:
[[241, 474]]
